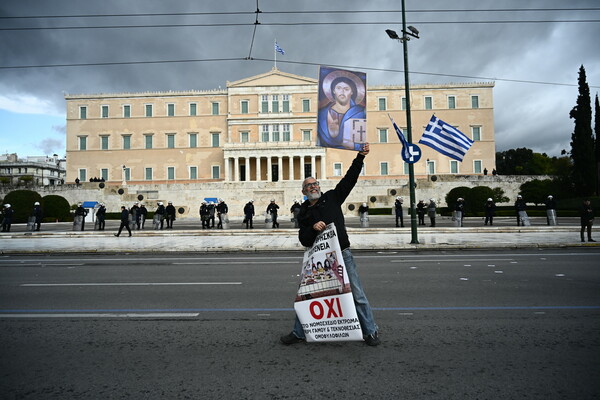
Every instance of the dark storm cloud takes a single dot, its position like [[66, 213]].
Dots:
[[526, 114]]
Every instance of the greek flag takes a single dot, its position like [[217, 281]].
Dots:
[[405, 149], [279, 49], [446, 139]]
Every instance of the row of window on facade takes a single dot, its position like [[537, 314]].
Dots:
[[215, 170], [148, 173], [430, 168], [269, 133], [26, 170], [149, 141], [266, 106], [215, 108]]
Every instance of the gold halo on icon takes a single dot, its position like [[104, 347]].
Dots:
[[333, 75]]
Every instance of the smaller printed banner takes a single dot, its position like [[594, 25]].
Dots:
[[324, 303]]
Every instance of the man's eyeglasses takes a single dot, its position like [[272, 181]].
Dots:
[[311, 184]]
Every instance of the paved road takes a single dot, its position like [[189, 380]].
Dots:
[[454, 325]]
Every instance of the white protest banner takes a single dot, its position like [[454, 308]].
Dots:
[[324, 302]]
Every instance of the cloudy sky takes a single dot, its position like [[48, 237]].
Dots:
[[150, 45]]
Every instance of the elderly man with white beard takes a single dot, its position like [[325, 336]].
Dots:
[[319, 210]]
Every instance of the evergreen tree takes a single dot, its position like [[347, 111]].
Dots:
[[582, 141], [597, 132]]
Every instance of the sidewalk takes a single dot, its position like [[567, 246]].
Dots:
[[376, 238]]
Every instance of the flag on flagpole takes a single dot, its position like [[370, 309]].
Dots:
[[405, 150], [446, 139], [279, 49]]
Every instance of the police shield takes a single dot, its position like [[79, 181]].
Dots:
[[551, 215]]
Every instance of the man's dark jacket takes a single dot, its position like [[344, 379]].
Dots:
[[329, 208], [125, 216]]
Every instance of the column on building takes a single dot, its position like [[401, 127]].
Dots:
[[227, 170], [313, 164], [247, 167], [323, 168], [269, 169], [236, 167], [291, 168], [302, 168], [258, 171], [280, 168]]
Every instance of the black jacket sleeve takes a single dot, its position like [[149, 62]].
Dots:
[[346, 184]]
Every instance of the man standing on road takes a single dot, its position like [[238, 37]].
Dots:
[[101, 216], [222, 211], [170, 213], [319, 210], [124, 221], [82, 213], [550, 210], [295, 210], [489, 209], [159, 215], [272, 209], [421, 212], [37, 214], [520, 207], [7, 215], [398, 209], [142, 219], [431, 211], [248, 213], [587, 220]]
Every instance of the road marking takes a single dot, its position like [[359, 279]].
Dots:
[[234, 262], [108, 260], [466, 259], [194, 311], [130, 284], [103, 315]]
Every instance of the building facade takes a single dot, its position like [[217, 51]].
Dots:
[[262, 129], [32, 170]]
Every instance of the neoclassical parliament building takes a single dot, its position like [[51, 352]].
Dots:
[[263, 129]]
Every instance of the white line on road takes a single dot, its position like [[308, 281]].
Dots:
[[234, 262], [452, 260], [103, 315], [49, 262], [130, 284]]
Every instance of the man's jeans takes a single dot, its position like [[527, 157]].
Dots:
[[363, 309]]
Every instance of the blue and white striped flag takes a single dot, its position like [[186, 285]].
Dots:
[[446, 139], [279, 49]]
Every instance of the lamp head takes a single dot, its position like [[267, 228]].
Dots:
[[413, 30], [392, 34]]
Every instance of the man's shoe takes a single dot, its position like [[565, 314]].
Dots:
[[116, 235], [591, 240], [373, 339], [290, 339]]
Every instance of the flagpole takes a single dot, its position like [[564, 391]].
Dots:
[[411, 170], [275, 52]]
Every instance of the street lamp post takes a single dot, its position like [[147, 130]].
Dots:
[[406, 35]]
